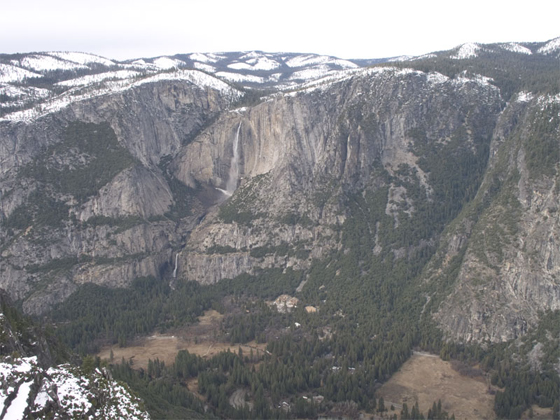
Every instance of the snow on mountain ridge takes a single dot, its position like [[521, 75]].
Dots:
[[264, 63], [206, 58], [431, 77], [311, 73], [468, 50], [251, 54], [17, 91], [96, 78], [10, 73], [47, 63], [82, 58], [240, 66], [255, 64], [167, 63], [551, 46], [310, 59], [76, 94], [515, 47], [204, 67], [240, 78]]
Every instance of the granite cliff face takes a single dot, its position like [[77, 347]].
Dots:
[[509, 272], [83, 197], [306, 152], [187, 180]]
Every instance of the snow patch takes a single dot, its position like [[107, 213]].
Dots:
[[10, 73], [204, 67], [197, 78], [255, 64], [72, 390], [122, 406], [167, 63], [240, 66], [549, 100], [265, 63], [437, 78], [400, 58], [309, 60], [75, 392], [206, 58], [26, 92], [524, 97], [550, 47], [423, 57], [476, 78], [235, 77], [48, 63], [96, 78], [83, 58], [251, 54], [312, 73], [13, 372], [19, 404], [468, 50], [516, 48]]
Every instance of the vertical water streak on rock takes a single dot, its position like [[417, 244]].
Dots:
[[176, 265], [233, 176]]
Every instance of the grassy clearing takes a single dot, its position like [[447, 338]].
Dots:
[[199, 339], [426, 378]]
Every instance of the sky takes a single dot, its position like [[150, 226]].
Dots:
[[123, 29]]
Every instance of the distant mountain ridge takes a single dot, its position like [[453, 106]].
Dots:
[[31, 78]]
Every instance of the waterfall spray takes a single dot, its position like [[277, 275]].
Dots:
[[233, 176], [176, 265]]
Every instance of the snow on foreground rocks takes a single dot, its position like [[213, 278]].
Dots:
[[64, 391]]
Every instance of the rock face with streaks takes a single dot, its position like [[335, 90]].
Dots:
[[510, 269], [305, 152]]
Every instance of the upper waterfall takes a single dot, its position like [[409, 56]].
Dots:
[[233, 175]]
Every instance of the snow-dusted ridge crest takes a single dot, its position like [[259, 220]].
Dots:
[[78, 94], [79, 76], [431, 77], [551, 47], [82, 58]]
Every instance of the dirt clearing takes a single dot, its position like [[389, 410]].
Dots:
[[198, 339], [426, 378]]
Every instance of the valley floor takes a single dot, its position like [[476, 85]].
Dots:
[[199, 339], [424, 378]]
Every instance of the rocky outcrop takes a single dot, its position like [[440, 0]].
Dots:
[[33, 383], [133, 192]]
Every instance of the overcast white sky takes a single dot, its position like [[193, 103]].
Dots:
[[121, 29]]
